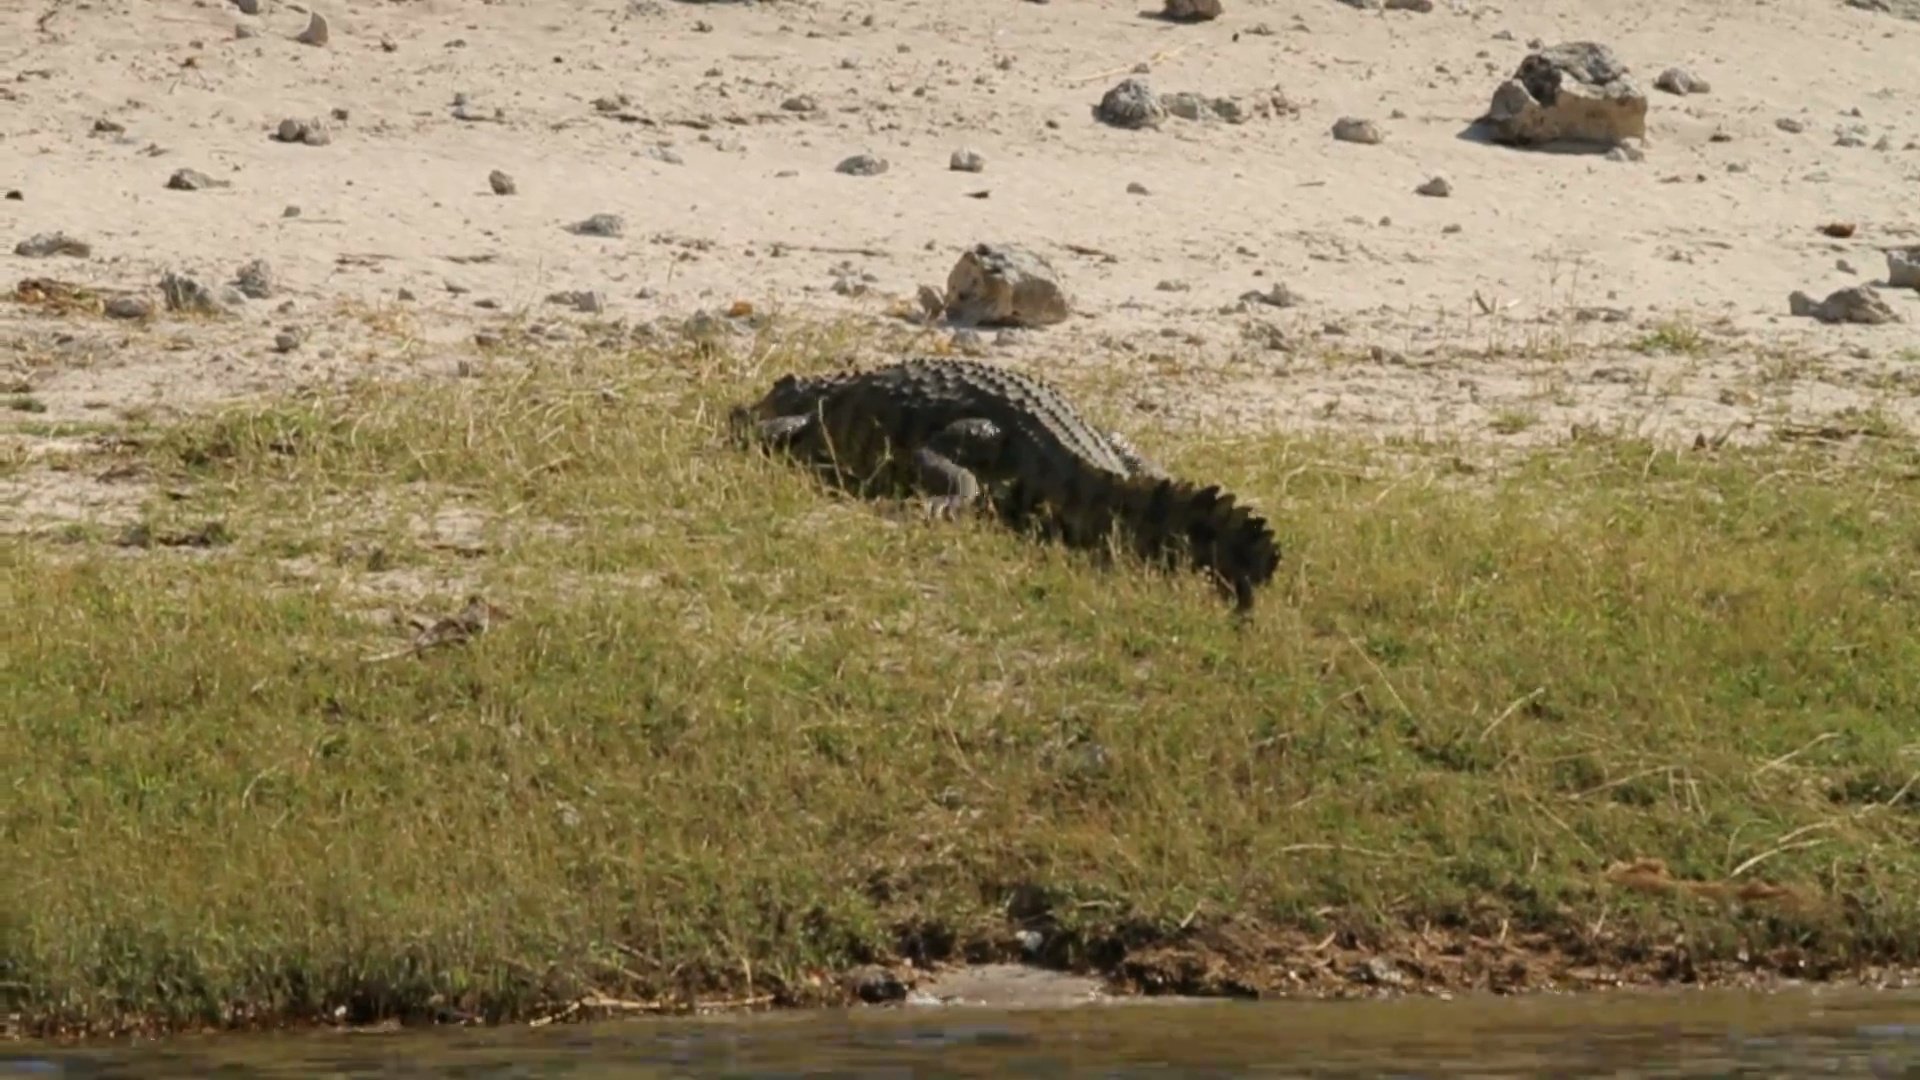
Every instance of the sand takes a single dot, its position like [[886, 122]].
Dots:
[[1548, 292]]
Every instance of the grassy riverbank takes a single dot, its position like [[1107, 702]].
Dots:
[[739, 734]]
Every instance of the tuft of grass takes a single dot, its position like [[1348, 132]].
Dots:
[[739, 731], [1672, 337]]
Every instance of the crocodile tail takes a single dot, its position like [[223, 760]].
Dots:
[[1170, 520], [1167, 521]]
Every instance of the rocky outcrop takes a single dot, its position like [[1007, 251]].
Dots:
[[1577, 92]]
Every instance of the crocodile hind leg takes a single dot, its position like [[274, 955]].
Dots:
[[948, 464]]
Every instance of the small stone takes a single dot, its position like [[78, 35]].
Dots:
[[403, 293], [1356, 130], [248, 7], [109, 127], [290, 211], [1422, 6], [242, 32], [1439, 187], [665, 155], [1626, 152], [44, 245], [1135, 187], [599, 225], [316, 32], [1191, 10], [183, 293], [1903, 267], [1839, 230], [874, 984], [501, 183], [1678, 80], [287, 340], [1278, 296], [1131, 103], [583, 300], [801, 103], [1790, 125], [964, 160], [129, 307], [862, 165], [310, 132], [255, 280], [192, 180]]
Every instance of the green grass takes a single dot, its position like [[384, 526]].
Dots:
[[740, 731]]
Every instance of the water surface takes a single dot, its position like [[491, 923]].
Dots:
[[1664, 1034]]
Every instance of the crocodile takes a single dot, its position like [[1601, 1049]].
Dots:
[[976, 436]]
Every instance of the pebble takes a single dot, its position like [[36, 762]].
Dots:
[[129, 307], [801, 103], [1678, 80], [193, 180], [584, 300], [248, 7], [862, 165], [1355, 130], [1135, 187], [287, 340], [310, 132], [1790, 125], [599, 225], [501, 183], [255, 279], [964, 160], [1438, 187]]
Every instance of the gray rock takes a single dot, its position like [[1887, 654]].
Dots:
[[1577, 92], [193, 180], [1353, 129], [310, 132], [1627, 151], [1903, 267], [1422, 6], [1438, 187], [316, 32], [1191, 10], [964, 160], [129, 307], [255, 280], [248, 7], [1130, 104], [187, 294], [45, 245], [1678, 80], [801, 103], [1277, 296], [874, 984], [599, 225], [583, 300], [1135, 187], [288, 340], [501, 183], [1003, 285], [862, 165], [1790, 125], [1853, 304]]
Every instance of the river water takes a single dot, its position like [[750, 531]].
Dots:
[[1652, 1034]]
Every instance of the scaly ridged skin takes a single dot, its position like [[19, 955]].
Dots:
[[956, 427]]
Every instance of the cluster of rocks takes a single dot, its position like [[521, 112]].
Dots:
[[1132, 103]]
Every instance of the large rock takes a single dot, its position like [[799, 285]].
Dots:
[[999, 285], [1854, 304], [1575, 92]]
